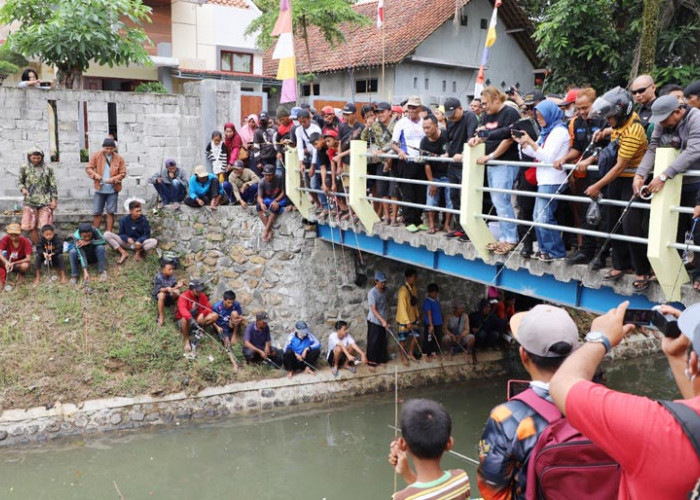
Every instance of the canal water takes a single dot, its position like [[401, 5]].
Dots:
[[338, 452]]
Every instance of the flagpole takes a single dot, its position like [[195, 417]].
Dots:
[[383, 60]]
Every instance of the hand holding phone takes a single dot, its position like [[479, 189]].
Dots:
[[517, 133]]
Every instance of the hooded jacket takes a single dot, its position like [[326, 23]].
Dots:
[[39, 181], [163, 175]]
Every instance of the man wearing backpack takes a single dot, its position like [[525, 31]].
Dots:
[[657, 458], [547, 335]]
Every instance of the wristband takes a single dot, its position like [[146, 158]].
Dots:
[[599, 337]]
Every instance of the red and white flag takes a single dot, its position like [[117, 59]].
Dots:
[[380, 13]]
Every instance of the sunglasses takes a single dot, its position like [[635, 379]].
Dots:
[[412, 107], [640, 91]]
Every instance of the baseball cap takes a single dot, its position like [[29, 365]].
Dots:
[[692, 89], [349, 108], [238, 164], [663, 107], [196, 285], [302, 113], [570, 97], [327, 110], [302, 328], [329, 132], [268, 169], [314, 137], [397, 109], [543, 326], [414, 100], [170, 163], [294, 113], [109, 143], [263, 116], [200, 171], [380, 276], [14, 228], [383, 106], [533, 97], [451, 104], [689, 324], [261, 316]]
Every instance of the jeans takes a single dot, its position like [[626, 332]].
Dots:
[[503, 177], [315, 183], [81, 257], [549, 240], [435, 201], [171, 193]]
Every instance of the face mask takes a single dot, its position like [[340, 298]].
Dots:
[[569, 113]]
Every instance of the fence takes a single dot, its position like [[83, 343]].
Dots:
[[664, 209]]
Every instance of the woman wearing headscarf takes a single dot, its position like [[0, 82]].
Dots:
[[553, 143], [247, 131], [233, 143]]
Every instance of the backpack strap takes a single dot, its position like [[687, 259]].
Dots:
[[688, 419], [544, 408]]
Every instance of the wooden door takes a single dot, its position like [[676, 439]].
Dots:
[[250, 105]]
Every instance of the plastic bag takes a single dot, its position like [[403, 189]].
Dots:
[[594, 214]]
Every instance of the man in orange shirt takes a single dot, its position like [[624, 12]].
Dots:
[[107, 169]]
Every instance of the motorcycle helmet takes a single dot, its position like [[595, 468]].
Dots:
[[616, 103]]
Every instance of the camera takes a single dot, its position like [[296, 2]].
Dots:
[[667, 324], [511, 90]]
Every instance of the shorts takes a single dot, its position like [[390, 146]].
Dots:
[[170, 299], [104, 203], [435, 201], [36, 217], [280, 205], [226, 333], [341, 359], [405, 331]]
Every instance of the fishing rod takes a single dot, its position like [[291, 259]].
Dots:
[[398, 343], [451, 452], [227, 350], [396, 415], [689, 238]]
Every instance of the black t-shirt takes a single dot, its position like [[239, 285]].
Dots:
[[583, 131], [265, 139], [531, 128], [645, 114], [460, 132], [271, 189], [498, 126], [437, 148]]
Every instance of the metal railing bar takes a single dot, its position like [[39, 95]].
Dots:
[[565, 197], [411, 205]]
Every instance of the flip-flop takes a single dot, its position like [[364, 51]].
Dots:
[[609, 276], [641, 284], [696, 283]]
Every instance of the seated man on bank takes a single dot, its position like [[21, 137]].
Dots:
[[458, 336], [301, 351], [193, 313], [170, 183], [15, 253], [229, 317], [244, 184], [166, 289], [134, 234], [341, 346], [486, 326], [205, 189], [49, 252], [257, 342], [88, 248], [271, 199]]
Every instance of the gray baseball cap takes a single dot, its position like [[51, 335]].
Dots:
[[689, 324], [543, 326], [663, 107], [380, 276]]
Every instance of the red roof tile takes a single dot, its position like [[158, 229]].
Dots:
[[239, 4], [406, 25]]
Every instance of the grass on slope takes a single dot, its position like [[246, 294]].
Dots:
[[58, 342]]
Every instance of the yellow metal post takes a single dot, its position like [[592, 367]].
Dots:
[[472, 201], [293, 183], [663, 224], [358, 186]]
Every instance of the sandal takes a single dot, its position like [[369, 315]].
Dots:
[[504, 248], [641, 284], [696, 283], [432, 230], [613, 277], [493, 246]]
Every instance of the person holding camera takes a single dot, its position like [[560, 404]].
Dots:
[[658, 460]]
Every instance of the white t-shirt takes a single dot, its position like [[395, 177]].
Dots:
[[303, 142], [555, 146], [333, 341], [412, 134]]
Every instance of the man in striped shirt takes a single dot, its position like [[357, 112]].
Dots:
[[426, 429]]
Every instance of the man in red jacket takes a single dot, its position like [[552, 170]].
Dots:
[[193, 312]]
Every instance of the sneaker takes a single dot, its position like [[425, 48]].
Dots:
[[103, 276], [412, 228], [526, 253], [578, 258], [352, 369], [463, 237], [423, 227], [545, 257], [455, 234], [334, 371]]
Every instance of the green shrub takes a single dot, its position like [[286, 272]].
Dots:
[[151, 87]]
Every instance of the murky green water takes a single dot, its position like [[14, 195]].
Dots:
[[335, 453]]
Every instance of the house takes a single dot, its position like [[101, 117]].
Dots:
[[425, 50]]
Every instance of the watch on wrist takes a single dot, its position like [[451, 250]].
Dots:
[[663, 177], [600, 338]]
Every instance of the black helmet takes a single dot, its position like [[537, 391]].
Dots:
[[615, 103]]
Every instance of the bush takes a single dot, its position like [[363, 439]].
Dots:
[[151, 87], [7, 69]]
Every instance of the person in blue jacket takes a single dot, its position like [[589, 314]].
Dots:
[[205, 189], [301, 350], [134, 234]]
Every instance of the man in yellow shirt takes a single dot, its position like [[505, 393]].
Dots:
[[408, 316]]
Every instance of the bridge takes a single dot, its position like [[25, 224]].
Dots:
[[558, 282]]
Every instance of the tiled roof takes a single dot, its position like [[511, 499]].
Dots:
[[406, 25], [218, 72], [239, 4]]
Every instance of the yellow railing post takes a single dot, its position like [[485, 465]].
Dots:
[[293, 182], [663, 224], [358, 186], [472, 201]]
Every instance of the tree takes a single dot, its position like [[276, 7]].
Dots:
[[72, 34], [327, 15]]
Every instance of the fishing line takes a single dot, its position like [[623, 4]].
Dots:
[[451, 452], [398, 343], [396, 416], [684, 257]]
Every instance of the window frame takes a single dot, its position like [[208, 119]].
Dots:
[[231, 54]]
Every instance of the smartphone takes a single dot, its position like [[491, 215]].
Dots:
[[515, 387], [667, 324], [639, 317], [517, 133], [45, 84]]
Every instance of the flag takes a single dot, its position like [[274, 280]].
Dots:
[[380, 13], [491, 37], [284, 52]]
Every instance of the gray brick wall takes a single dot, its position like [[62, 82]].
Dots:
[[150, 128]]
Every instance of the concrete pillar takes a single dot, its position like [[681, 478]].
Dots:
[[234, 103], [207, 102], [663, 224], [358, 186], [293, 182], [471, 201]]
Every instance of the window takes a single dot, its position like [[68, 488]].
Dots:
[[426, 84], [484, 24], [444, 85], [463, 18], [454, 87], [309, 89], [236, 61], [415, 82], [366, 86]]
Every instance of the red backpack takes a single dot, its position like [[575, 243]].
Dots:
[[564, 464]]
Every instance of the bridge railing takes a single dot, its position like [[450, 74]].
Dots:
[[664, 206]]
